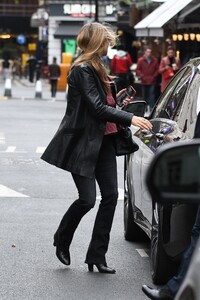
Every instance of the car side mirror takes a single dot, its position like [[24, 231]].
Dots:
[[137, 107], [174, 173]]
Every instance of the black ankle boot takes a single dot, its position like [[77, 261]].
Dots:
[[63, 256], [102, 268]]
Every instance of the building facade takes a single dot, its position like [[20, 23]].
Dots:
[[15, 27], [67, 17], [174, 23]]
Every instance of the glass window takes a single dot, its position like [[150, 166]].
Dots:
[[173, 95], [190, 108]]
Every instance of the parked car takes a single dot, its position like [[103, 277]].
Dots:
[[184, 188], [168, 227]]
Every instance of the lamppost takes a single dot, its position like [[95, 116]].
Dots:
[[96, 11]]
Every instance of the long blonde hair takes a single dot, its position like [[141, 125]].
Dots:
[[92, 40]]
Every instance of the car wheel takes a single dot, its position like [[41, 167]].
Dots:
[[162, 267], [132, 232]]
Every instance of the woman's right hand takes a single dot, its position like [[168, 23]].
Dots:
[[141, 122]]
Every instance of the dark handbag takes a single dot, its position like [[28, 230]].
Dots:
[[124, 143]]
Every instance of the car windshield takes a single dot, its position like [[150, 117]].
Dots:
[[170, 101], [190, 108], [198, 89]]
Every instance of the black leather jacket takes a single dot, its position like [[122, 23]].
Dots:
[[76, 144]]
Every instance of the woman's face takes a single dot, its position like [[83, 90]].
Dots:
[[105, 48]]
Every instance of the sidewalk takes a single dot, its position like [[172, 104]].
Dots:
[[25, 90]]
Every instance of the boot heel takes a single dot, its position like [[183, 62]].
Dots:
[[90, 267], [55, 240]]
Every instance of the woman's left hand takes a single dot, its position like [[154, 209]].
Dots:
[[120, 92], [127, 100]]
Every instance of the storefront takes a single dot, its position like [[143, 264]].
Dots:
[[16, 33], [175, 23], [65, 21]]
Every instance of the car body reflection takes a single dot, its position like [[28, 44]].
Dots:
[[168, 226]]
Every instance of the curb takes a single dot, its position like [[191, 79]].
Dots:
[[2, 98]]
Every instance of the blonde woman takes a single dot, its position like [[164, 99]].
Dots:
[[83, 145]]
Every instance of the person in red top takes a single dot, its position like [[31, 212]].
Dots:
[[147, 70], [120, 66], [169, 62]]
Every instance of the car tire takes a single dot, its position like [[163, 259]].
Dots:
[[162, 267], [132, 232]]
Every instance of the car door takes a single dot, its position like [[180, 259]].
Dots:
[[187, 114], [164, 127]]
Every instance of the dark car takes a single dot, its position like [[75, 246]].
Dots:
[[168, 227], [165, 190]]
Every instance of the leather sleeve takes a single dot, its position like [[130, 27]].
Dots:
[[88, 87]]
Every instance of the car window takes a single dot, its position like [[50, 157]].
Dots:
[[198, 96], [198, 101], [176, 100], [173, 95], [190, 107]]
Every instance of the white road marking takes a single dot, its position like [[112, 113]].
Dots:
[[11, 149], [40, 149], [142, 252], [6, 192], [120, 197], [2, 138]]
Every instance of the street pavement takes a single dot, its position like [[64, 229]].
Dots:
[[33, 198], [22, 89]]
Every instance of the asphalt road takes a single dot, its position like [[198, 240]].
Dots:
[[33, 198]]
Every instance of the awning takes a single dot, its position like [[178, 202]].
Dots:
[[190, 16], [153, 23], [67, 30]]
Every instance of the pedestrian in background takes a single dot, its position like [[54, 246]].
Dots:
[[6, 64], [31, 67], [17, 68], [169, 65], [38, 69], [84, 145], [147, 69], [120, 67], [54, 74]]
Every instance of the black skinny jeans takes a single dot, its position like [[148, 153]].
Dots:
[[106, 176], [53, 87]]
